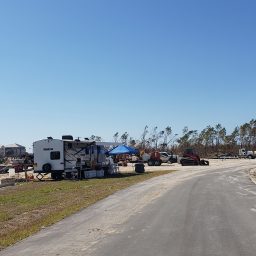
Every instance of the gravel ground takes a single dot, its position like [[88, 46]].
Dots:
[[164, 166], [176, 166]]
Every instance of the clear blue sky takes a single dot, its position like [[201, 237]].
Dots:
[[98, 67]]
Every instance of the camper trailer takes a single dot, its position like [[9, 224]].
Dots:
[[68, 158]]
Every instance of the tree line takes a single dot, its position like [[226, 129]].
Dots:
[[211, 141]]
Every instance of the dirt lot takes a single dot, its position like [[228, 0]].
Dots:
[[176, 166]]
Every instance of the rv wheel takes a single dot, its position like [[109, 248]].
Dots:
[[56, 176], [151, 162], [157, 163], [59, 176], [196, 162], [46, 168], [204, 162], [68, 175]]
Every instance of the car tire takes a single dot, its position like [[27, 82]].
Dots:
[[157, 163], [151, 162]]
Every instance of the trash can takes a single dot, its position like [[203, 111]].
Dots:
[[139, 168]]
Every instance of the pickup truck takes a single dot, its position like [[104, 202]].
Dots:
[[167, 158], [247, 153]]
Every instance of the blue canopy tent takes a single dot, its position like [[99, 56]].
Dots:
[[122, 149]]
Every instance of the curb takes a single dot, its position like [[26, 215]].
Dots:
[[252, 175]]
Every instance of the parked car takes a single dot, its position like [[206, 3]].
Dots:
[[226, 156], [168, 158], [164, 156], [173, 159], [247, 153]]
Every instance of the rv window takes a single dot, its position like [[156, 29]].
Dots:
[[55, 155]]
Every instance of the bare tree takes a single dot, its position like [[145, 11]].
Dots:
[[166, 135], [253, 133], [143, 137], [116, 135], [98, 138], [132, 142], [155, 136], [124, 138], [95, 138], [188, 138], [244, 134]]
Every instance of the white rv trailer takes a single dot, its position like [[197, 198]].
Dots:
[[67, 156]]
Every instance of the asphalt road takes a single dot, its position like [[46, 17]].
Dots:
[[198, 211]]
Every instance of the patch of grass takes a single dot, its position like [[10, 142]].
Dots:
[[4, 216], [27, 207]]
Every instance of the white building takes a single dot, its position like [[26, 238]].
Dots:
[[14, 150], [2, 150]]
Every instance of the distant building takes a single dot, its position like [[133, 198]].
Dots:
[[2, 150], [14, 150]]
